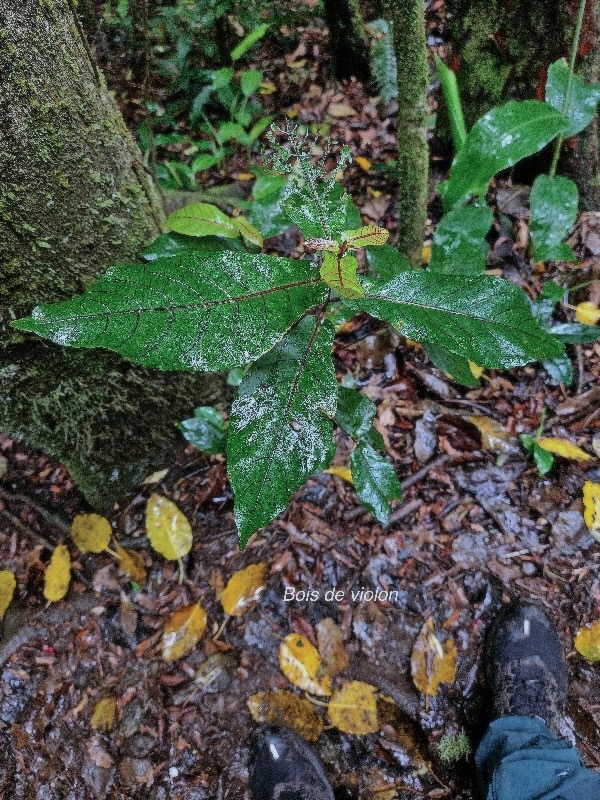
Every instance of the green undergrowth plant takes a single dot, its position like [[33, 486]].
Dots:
[[206, 299]]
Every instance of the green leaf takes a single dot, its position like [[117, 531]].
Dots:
[[355, 413], [544, 460], [340, 274], [249, 41], [174, 244], [248, 231], [574, 333], [560, 369], [386, 261], [499, 139], [230, 130], [191, 312], [552, 291], [222, 78], [281, 428], [201, 219], [317, 213], [553, 210], [453, 104], [206, 161], [375, 481], [250, 80], [458, 246], [266, 212], [235, 376], [583, 100], [206, 430], [456, 366], [260, 126], [484, 319]]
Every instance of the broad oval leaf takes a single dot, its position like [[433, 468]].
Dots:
[[340, 274], [355, 413], [456, 367], [132, 564], [386, 262], [169, 245], [202, 219], [168, 529], [183, 631], [248, 231], [587, 642], [190, 312], [499, 139], [205, 430], [280, 428], [591, 505], [458, 246], [375, 481], [484, 319], [368, 235], [285, 707], [432, 662], [553, 210], [91, 533], [58, 574], [301, 664], [103, 717], [8, 584], [583, 97], [243, 589], [353, 708]]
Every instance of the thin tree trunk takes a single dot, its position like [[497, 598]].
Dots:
[[587, 144], [407, 19], [348, 47], [74, 198]]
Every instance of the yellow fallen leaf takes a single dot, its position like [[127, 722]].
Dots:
[[591, 505], [91, 533], [132, 564], [168, 529], [243, 589], [103, 717], [341, 472], [183, 631], [8, 584], [340, 110], [587, 642], [363, 163], [58, 574], [432, 662], [353, 708], [426, 254], [564, 448], [587, 313], [301, 664], [155, 477], [267, 87], [476, 370], [284, 707], [330, 640], [493, 436]]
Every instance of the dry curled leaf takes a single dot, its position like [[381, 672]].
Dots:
[[8, 584], [243, 589], [363, 163], [587, 642], [183, 631], [353, 708], [58, 574], [563, 448], [591, 505], [301, 664], [103, 717], [339, 110], [432, 662], [91, 533], [168, 529], [493, 436], [331, 647], [132, 564], [284, 707]]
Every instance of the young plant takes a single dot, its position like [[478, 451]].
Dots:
[[225, 310]]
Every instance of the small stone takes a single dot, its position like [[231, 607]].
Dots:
[[529, 568]]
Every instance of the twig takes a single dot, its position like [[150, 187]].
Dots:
[[437, 462], [50, 516]]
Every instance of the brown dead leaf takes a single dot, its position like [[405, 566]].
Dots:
[[494, 437], [432, 662], [284, 707], [340, 110], [98, 754], [129, 617], [132, 564], [330, 640]]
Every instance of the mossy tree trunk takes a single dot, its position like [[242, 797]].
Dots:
[[74, 198], [407, 20], [587, 144], [348, 47]]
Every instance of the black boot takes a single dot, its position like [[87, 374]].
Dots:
[[525, 667], [284, 767]]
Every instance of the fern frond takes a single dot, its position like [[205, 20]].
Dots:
[[383, 60]]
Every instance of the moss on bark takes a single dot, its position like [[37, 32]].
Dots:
[[74, 198], [407, 18]]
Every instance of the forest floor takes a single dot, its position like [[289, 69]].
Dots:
[[477, 526]]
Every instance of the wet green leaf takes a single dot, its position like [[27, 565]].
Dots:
[[499, 139], [453, 103], [280, 428], [249, 41], [583, 97], [459, 245], [553, 205], [355, 413], [457, 367], [205, 430], [174, 244], [560, 369], [202, 219], [375, 481], [386, 261], [266, 212], [484, 319], [326, 210], [544, 460], [193, 312], [575, 333]]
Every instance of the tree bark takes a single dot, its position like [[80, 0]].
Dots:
[[348, 47], [407, 20], [74, 198], [587, 143]]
